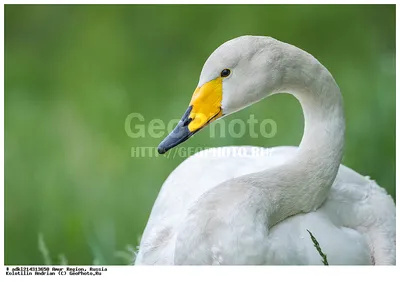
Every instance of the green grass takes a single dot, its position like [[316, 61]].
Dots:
[[124, 257], [318, 248]]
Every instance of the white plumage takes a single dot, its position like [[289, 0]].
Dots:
[[256, 208]]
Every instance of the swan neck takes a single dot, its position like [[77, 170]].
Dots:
[[303, 183]]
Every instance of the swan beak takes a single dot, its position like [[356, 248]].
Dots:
[[204, 108]]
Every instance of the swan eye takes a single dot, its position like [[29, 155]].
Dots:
[[225, 72]]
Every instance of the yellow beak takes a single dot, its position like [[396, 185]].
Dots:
[[204, 107], [206, 104]]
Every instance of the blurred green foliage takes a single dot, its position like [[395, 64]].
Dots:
[[74, 73]]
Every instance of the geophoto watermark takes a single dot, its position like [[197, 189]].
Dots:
[[185, 152], [136, 126]]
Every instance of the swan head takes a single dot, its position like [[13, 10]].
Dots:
[[237, 74]]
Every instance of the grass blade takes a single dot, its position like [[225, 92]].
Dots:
[[316, 245]]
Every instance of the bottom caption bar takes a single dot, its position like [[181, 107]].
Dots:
[[54, 270]]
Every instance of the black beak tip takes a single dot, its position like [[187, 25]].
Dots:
[[161, 150], [180, 133]]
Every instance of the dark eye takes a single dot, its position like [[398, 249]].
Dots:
[[225, 72]]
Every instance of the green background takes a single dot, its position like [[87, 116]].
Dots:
[[74, 73]]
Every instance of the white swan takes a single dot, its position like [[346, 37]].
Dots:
[[256, 210]]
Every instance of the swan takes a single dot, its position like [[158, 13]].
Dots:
[[220, 209]]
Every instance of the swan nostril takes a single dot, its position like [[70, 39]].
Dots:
[[187, 121]]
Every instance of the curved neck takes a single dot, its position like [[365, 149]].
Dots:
[[303, 182]]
